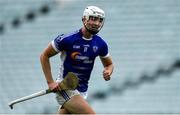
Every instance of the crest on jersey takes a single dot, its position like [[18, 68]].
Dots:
[[95, 48]]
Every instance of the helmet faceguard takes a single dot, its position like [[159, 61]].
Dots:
[[93, 11]]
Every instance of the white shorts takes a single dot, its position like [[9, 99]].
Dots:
[[65, 95]]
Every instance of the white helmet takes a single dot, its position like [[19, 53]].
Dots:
[[95, 12]]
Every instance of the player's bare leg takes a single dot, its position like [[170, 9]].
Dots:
[[77, 105], [63, 111]]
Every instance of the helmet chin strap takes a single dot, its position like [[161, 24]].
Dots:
[[90, 31]]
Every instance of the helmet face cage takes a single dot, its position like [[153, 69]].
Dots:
[[95, 12]]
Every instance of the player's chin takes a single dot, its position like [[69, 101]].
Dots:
[[107, 78], [95, 30]]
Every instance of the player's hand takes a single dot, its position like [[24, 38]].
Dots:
[[107, 74], [54, 86]]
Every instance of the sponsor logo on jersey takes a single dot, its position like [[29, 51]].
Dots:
[[86, 47], [76, 46], [60, 38], [78, 56]]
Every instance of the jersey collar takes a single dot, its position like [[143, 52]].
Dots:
[[80, 31]]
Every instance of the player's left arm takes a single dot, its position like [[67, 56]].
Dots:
[[108, 67]]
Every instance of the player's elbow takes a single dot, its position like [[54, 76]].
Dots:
[[43, 57], [112, 68]]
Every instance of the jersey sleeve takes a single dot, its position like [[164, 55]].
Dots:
[[60, 43], [104, 50]]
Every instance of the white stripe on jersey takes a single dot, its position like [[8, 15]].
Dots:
[[53, 45], [105, 56]]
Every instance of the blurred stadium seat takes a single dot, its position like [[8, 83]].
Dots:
[[142, 37]]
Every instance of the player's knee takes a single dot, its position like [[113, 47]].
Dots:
[[63, 111], [86, 110], [90, 112]]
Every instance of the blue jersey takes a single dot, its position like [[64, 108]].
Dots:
[[78, 55]]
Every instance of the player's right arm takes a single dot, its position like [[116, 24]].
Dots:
[[46, 67]]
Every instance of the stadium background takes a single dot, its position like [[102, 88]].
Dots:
[[143, 38]]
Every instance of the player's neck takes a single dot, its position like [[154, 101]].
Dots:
[[86, 34]]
